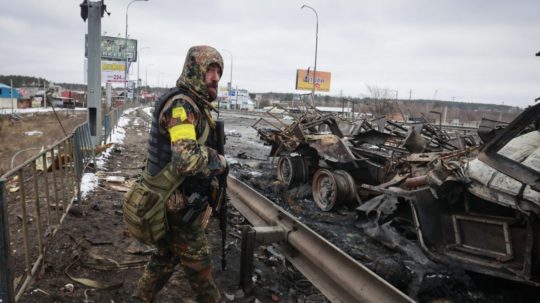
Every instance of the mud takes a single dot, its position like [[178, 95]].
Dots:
[[94, 233], [93, 243], [32, 131]]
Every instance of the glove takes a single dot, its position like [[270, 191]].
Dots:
[[224, 166], [217, 165]]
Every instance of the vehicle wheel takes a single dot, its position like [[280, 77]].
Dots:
[[331, 189], [347, 189], [292, 170]]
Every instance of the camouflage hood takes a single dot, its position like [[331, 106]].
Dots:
[[197, 61]]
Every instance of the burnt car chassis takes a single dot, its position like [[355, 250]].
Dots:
[[342, 167], [313, 147], [480, 212]]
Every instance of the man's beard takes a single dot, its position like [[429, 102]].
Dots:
[[212, 91]]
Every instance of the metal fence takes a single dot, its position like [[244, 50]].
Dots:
[[34, 200], [110, 121]]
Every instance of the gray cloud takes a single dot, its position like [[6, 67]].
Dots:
[[472, 50]]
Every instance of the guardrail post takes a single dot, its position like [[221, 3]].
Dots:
[[246, 259], [6, 281], [251, 236]]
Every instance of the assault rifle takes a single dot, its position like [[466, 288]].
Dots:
[[220, 207]]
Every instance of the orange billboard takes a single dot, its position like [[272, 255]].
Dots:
[[304, 80]]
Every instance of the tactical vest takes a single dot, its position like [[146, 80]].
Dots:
[[144, 206], [159, 145]]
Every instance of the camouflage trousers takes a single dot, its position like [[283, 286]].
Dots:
[[188, 246]]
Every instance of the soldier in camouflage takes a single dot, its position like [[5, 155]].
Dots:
[[181, 118]]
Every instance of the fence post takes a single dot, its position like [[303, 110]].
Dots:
[[6, 281], [78, 156]]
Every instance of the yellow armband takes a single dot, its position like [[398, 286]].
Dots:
[[183, 132]]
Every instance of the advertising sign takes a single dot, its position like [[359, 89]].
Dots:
[[112, 48], [112, 71], [304, 80]]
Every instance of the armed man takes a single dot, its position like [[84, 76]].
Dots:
[[179, 150]]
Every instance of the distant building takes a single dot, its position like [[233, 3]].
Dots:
[[6, 98], [235, 99]]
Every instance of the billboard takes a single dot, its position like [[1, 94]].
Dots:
[[112, 71], [112, 48], [304, 80]]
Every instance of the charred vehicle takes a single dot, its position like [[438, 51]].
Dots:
[[342, 158], [480, 211]]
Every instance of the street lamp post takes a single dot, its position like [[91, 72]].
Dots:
[[229, 88], [138, 65], [316, 43], [146, 74], [125, 51]]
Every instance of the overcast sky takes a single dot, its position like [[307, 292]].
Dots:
[[470, 50]]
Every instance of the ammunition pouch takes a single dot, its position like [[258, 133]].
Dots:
[[144, 207]]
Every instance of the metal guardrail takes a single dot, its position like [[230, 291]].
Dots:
[[338, 276], [35, 198]]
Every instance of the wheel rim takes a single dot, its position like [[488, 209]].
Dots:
[[331, 189], [284, 170], [291, 170], [347, 188], [324, 189]]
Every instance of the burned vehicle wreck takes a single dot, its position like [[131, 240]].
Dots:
[[313, 148], [476, 209], [343, 158]]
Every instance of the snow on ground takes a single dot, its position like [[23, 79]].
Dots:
[[34, 133], [117, 137], [88, 183], [129, 110], [148, 111]]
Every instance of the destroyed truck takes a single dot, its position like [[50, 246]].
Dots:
[[341, 159], [481, 212]]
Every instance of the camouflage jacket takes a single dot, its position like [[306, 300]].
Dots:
[[185, 118], [185, 122]]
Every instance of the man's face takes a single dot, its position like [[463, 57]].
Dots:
[[211, 79]]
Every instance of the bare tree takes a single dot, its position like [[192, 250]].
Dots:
[[381, 100]]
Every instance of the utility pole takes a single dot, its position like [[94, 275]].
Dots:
[[229, 85], [138, 77], [126, 70], [316, 45], [94, 13], [237, 106]]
